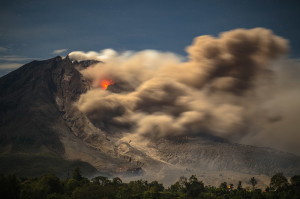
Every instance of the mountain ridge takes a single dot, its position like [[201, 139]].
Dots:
[[37, 111]]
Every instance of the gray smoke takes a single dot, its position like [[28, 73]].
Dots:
[[232, 86]]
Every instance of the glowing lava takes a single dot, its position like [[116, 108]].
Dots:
[[105, 83]]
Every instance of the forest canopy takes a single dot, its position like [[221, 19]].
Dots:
[[77, 186]]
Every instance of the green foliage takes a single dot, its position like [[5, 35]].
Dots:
[[239, 187], [117, 181], [278, 182], [223, 185], [42, 187], [94, 191], [101, 180], [138, 187], [194, 187], [70, 185], [9, 187], [50, 186], [76, 174], [295, 180], [253, 182], [295, 185]]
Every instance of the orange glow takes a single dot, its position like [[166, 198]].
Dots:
[[105, 83]]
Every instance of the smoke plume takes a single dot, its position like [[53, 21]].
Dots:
[[232, 86]]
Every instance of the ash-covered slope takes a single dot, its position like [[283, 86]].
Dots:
[[202, 153], [213, 160], [213, 156], [39, 123]]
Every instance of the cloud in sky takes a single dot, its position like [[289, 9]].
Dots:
[[140, 26], [102, 55], [59, 51], [15, 58], [3, 49], [5, 66], [9, 63]]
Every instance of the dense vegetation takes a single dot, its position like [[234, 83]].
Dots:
[[78, 187]]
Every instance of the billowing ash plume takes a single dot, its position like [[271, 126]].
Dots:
[[224, 88]]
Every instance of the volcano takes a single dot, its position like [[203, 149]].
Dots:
[[41, 130]]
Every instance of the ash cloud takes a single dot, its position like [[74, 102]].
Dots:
[[277, 116], [223, 88]]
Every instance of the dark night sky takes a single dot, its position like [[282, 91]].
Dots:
[[34, 29]]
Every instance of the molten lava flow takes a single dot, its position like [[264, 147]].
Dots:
[[105, 83]]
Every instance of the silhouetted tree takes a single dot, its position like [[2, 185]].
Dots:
[[194, 187], [223, 185], [116, 181], [278, 181], [76, 174], [239, 187], [295, 185], [138, 187], [253, 182], [156, 187], [51, 187], [231, 187], [9, 187], [154, 190], [42, 187], [101, 180], [70, 185], [50, 184], [295, 180], [94, 191]]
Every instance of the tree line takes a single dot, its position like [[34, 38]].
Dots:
[[50, 186]]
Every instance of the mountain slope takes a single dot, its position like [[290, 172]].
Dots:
[[36, 115], [40, 128]]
